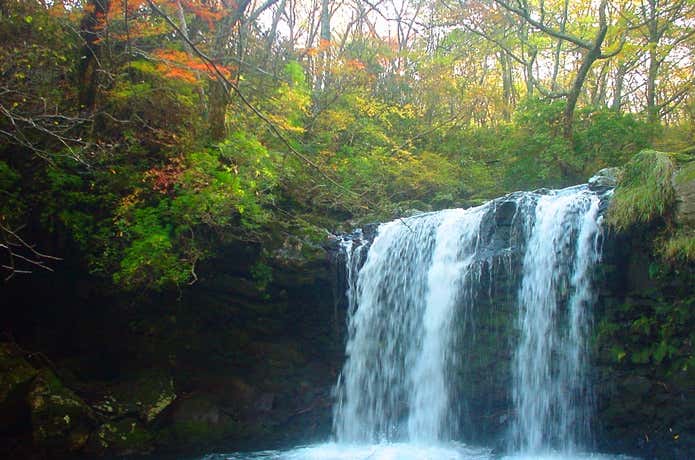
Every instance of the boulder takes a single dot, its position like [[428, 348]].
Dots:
[[605, 178], [16, 375], [146, 396], [684, 186], [61, 421], [126, 436]]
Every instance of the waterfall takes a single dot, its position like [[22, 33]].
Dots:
[[399, 329], [551, 391], [416, 292]]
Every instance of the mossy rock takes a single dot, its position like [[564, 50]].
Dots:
[[61, 421], [684, 185], [16, 375], [145, 396], [199, 421], [645, 191], [121, 437]]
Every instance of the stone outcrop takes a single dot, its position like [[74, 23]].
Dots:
[[684, 186], [245, 358], [16, 376], [644, 368], [61, 420]]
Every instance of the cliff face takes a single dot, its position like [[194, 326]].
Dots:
[[644, 365], [645, 318], [246, 358]]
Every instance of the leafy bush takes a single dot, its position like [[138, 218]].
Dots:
[[194, 200], [151, 259], [604, 138]]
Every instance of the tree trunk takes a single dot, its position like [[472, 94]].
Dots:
[[653, 70], [324, 42], [91, 33], [218, 98], [507, 85], [618, 88], [589, 58], [558, 48], [652, 109], [598, 96], [218, 94]]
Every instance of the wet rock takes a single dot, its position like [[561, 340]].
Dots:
[[61, 421], [265, 402], [684, 186], [331, 243], [145, 396], [636, 386], [16, 375], [504, 212], [605, 178], [370, 231], [198, 420], [412, 212], [120, 437]]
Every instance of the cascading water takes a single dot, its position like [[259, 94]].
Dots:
[[395, 383], [551, 391], [416, 293]]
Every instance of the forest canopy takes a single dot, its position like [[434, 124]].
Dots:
[[144, 134]]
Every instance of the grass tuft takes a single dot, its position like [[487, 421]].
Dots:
[[679, 248], [644, 192]]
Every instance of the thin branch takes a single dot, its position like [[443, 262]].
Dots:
[[230, 85], [12, 244], [526, 15]]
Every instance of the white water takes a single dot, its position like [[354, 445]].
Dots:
[[395, 384], [551, 391], [418, 282], [398, 451]]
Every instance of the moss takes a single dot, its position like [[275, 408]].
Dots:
[[680, 247], [685, 174], [61, 420], [164, 397], [121, 437], [15, 372], [147, 395], [644, 192]]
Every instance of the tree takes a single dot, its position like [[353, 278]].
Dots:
[[591, 49], [666, 25]]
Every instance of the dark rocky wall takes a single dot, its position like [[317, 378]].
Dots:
[[245, 358], [643, 348]]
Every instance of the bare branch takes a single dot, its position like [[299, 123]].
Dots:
[[21, 256], [524, 13], [233, 87]]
